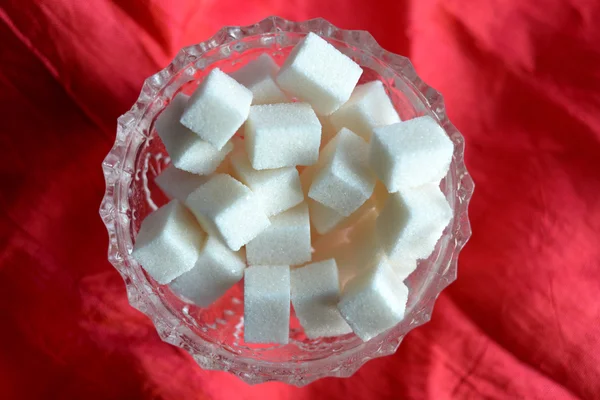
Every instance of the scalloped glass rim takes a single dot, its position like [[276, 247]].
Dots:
[[118, 167]]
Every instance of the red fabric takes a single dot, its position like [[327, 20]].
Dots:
[[521, 80]]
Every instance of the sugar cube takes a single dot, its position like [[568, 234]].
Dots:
[[216, 270], [259, 76], [318, 73], [277, 189], [412, 221], [217, 109], [267, 304], [168, 242], [285, 241], [228, 208], [344, 180], [410, 153], [315, 294], [323, 218], [368, 107], [374, 301], [178, 184], [187, 151], [282, 135]]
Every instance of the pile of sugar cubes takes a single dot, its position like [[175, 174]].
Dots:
[[241, 209]]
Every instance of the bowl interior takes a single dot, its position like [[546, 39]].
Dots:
[[222, 324]]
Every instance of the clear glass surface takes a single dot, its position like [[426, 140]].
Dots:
[[213, 336]]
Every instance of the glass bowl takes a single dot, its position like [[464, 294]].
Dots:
[[213, 336]]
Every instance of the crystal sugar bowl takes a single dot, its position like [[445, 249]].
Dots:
[[214, 335]]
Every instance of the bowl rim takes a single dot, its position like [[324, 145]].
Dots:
[[118, 171]]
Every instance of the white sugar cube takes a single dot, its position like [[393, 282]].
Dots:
[[228, 208], [267, 304], [344, 180], [178, 184], [318, 73], [218, 108], [259, 76], [168, 243], [217, 269], [187, 151], [374, 301], [412, 221], [368, 107], [323, 218], [410, 153], [315, 294], [282, 135], [285, 241], [277, 189]]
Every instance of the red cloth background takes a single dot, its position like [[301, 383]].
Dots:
[[522, 82]]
